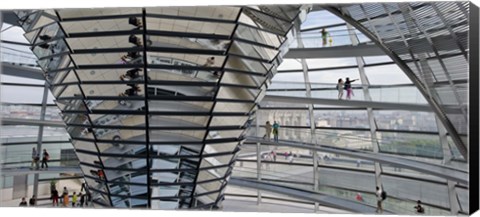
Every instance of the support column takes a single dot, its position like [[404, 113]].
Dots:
[[259, 157], [371, 118], [447, 158], [313, 138], [40, 137]]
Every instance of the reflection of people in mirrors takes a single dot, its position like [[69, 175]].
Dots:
[[209, 63], [44, 37], [132, 91], [135, 21], [419, 207], [135, 40], [131, 74], [129, 56]]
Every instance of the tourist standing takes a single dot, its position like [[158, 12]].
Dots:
[[275, 130]]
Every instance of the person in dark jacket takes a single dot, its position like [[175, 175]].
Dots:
[[32, 201], [23, 203]]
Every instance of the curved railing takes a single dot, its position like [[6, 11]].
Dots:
[[400, 93], [276, 175]]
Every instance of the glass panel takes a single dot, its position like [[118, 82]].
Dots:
[[18, 94], [233, 107], [249, 50], [120, 135], [384, 75], [88, 158], [225, 134], [118, 120], [108, 58], [176, 135], [99, 42], [255, 35], [71, 91], [190, 26], [328, 62], [124, 104], [112, 90], [212, 12], [242, 79], [180, 90], [410, 144], [229, 121], [120, 148], [178, 121], [237, 63], [237, 93], [180, 106], [188, 42], [99, 25], [93, 12], [291, 76], [222, 147], [128, 74], [67, 105], [342, 118], [21, 111], [406, 120]]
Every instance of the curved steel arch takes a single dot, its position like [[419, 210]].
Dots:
[[436, 107]]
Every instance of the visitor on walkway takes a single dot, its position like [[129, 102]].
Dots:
[[135, 21], [52, 186], [359, 162], [65, 200], [340, 86], [74, 199], [84, 187], [32, 201], [274, 156], [82, 198], [418, 208], [54, 197], [378, 193], [348, 87], [132, 91], [325, 35], [359, 197], [131, 74], [88, 198], [23, 202], [286, 155], [100, 174], [290, 158], [275, 131], [65, 196], [209, 63], [268, 130], [45, 158], [34, 158]]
